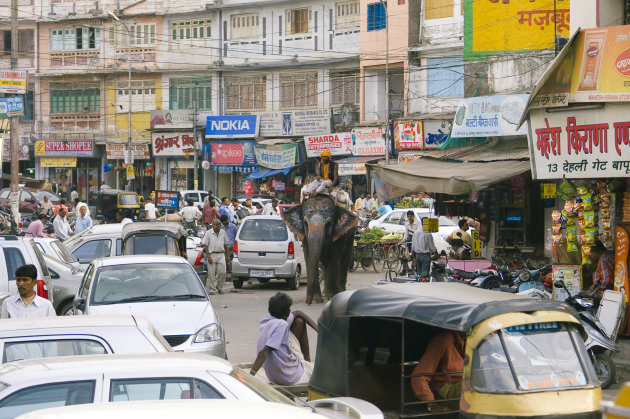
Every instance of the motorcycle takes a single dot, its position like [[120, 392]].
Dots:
[[599, 343]]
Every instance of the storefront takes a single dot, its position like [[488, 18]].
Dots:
[[174, 160], [143, 167], [232, 161]]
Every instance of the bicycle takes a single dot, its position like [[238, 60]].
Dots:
[[398, 262]]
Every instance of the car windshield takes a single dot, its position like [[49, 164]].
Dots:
[[263, 230], [151, 244], [63, 252], [127, 199], [140, 282], [531, 357]]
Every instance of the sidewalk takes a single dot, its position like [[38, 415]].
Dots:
[[622, 359]]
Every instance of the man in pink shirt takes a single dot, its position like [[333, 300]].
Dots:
[[36, 228]]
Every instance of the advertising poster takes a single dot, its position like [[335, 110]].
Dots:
[[13, 81], [408, 135], [339, 144], [368, 141], [233, 153], [571, 275], [436, 133], [295, 122], [119, 151], [167, 199], [276, 156], [172, 119], [593, 143], [11, 106], [23, 153], [499, 26], [351, 169], [490, 116]]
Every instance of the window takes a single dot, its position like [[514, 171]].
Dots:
[[75, 97], [436, 9], [245, 26], [13, 258], [344, 87], [28, 349], [29, 106], [161, 389], [142, 34], [185, 93], [395, 217], [45, 396], [297, 90], [347, 15], [118, 247], [71, 39], [25, 42], [299, 21], [246, 92], [445, 77], [5, 194], [377, 17], [263, 230], [142, 96], [190, 33], [92, 250]]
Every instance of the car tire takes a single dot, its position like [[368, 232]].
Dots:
[[237, 283], [263, 280], [294, 281], [66, 309]]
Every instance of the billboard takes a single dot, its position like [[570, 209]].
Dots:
[[13, 81], [369, 141], [233, 153], [493, 27], [408, 135], [339, 144], [238, 126], [173, 143], [489, 116]]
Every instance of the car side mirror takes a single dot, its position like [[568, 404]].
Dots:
[[79, 303]]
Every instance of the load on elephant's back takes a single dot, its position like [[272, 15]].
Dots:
[[327, 233]]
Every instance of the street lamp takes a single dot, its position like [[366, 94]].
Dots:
[[384, 4], [129, 154]]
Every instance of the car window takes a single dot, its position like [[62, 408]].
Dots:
[[393, 218], [446, 222], [118, 247], [161, 389], [45, 396], [203, 196], [193, 196], [92, 250], [263, 230], [14, 259], [24, 196], [5, 194], [53, 274], [151, 245], [127, 199], [14, 351], [85, 282]]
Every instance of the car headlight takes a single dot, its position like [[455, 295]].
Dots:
[[208, 333]]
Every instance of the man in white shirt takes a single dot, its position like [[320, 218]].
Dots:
[[190, 214], [422, 244], [272, 208], [27, 303], [234, 206], [62, 228], [215, 246], [367, 203], [150, 212], [411, 226]]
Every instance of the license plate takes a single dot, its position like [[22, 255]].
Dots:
[[261, 274]]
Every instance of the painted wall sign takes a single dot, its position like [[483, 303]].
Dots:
[[70, 148], [13, 81], [172, 119], [490, 116], [275, 157], [233, 153], [119, 151], [368, 141], [242, 126], [23, 151], [490, 26], [408, 135], [339, 144], [593, 143], [172, 144], [295, 123]]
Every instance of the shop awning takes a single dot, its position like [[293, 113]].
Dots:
[[454, 178], [262, 173]]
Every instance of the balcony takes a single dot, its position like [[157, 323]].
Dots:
[[74, 58], [138, 55], [75, 121]]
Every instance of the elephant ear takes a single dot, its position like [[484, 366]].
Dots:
[[294, 219], [344, 221]]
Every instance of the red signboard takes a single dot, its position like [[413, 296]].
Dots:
[[227, 153]]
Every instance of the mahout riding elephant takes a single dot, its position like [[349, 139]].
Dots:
[[327, 234]]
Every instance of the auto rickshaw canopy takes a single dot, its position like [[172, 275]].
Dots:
[[160, 229]]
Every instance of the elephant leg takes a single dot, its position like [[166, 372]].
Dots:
[[332, 287], [313, 290], [346, 255]]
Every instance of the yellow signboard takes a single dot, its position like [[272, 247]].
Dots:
[[476, 247], [40, 148], [131, 174], [58, 162], [548, 190], [515, 25], [430, 225]]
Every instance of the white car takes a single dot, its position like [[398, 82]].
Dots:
[[78, 335], [164, 289], [43, 383], [197, 196], [99, 241], [394, 222]]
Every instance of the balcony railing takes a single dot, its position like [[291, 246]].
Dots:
[[74, 58], [75, 121]]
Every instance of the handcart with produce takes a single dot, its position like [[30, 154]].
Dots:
[[375, 249]]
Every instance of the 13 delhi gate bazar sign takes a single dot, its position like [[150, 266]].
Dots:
[[591, 143]]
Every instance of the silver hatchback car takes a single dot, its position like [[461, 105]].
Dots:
[[265, 249]]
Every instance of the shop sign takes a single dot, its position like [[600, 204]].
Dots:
[[351, 169], [173, 144], [119, 151], [243, 126], [11, 106], [406, 158], [621, 260], [408, 135], [131, 174], [13, 81], [476, 244], [593, 143], [176, 119], [233, 153], [295, 123], [490, 116], [23, 153], [61, 148], [58, 162], [275, 157], [436, 133], [368, 141], [548, 190], [167, 199], [339, 144], [278, 186]]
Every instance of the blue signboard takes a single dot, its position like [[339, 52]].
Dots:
[[167, 199], [237, 126], [11, 106]]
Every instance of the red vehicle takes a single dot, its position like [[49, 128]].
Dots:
[[28, 201]]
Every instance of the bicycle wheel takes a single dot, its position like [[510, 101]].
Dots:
[[393, 258], [355, 259], [367, 254], [390, 275], [379, 259]]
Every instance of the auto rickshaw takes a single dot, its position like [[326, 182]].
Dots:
[[524, 358], [154, 238], [109, 201]]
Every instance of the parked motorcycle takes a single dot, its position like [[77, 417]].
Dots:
[[599, 342]]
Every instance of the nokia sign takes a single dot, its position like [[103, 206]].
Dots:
[[238, 126]]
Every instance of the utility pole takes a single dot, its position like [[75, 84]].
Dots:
[[196, 162], [387, 139], [15, 162]]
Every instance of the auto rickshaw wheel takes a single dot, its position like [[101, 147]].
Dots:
[[605, 369]]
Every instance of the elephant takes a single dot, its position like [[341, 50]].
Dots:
[[327, 233]]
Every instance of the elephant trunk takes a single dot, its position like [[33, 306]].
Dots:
[[314, 250]]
